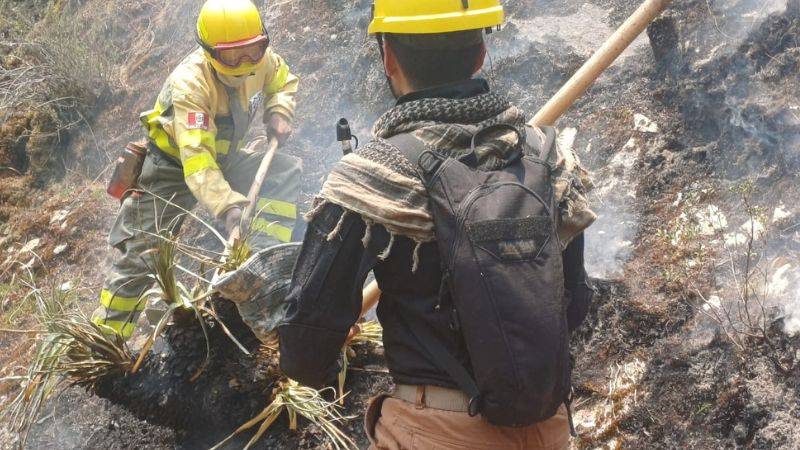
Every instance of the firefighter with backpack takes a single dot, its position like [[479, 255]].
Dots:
[[472, 223]]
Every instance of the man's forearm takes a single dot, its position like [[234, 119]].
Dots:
[[310, 354], [213, 191], [325, 298]]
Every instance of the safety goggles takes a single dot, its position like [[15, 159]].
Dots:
[[234, 54]]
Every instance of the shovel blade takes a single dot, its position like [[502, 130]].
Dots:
[[260, 286]]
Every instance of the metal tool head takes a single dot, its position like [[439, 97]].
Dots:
[[260, 286]]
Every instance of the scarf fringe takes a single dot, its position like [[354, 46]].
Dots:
[[367, 232], [338, 229], [385, 253], [415, 264], [319, 204]]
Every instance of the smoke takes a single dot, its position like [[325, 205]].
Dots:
[[774, 277], [562, 30], [787, 282], [610, 238], [759, 131], [748, 58], [736, 19], [734, 73], [792, 311], [707, 44], [782, 291]]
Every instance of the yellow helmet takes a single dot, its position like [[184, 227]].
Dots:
[[226, 23], [434, 16]]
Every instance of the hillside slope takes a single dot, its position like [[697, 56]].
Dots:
[[695, 145]]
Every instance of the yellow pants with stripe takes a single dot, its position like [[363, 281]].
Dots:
[[139, 217]]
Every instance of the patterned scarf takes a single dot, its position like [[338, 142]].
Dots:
[[379, 184]]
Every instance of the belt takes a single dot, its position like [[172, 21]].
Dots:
[[161, 155], [432, 397]]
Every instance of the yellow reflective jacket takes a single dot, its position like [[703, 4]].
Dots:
[[198, 120]]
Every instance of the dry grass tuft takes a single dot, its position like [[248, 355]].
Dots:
[[71, 349], [302, 401], [369, 332], [162, 263]]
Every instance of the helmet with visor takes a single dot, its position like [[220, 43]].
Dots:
[[232, 35]]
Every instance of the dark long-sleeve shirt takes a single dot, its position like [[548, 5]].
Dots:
[[326, 293], [326, 297]]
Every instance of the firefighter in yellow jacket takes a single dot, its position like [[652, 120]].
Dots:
[[195, 152]]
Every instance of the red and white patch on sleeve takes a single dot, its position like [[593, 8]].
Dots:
[[197, 121]]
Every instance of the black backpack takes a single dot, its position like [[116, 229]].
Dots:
[[501, 260]]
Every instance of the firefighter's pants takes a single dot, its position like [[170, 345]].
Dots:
[[162, 205]]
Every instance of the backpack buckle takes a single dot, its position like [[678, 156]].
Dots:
[[429, 162], [474, 406]]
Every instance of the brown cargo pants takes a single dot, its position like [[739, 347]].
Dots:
[[393, 424]]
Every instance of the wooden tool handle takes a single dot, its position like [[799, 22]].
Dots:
[[255, 189], [599, 62], [371, 295]]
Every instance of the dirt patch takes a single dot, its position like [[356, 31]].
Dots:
[[77, 420], [51, 239]]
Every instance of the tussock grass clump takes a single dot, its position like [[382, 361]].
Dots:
[[77, 348], [163, 266], [238, 252], [70, 349], [235, 251], [369, 332], [298, 400]]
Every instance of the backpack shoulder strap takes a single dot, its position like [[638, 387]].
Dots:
[[409, 146], [431, 344], [543, 145]]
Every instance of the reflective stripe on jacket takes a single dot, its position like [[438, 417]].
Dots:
[[198, 120]]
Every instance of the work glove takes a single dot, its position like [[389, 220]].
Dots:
[[279, 127], [232, 219]]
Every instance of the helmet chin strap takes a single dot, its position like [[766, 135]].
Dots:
[[234, 81]]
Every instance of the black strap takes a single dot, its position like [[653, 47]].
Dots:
[[161, 155], [549, 141], [544, 147], [444, 359], [411, 147]]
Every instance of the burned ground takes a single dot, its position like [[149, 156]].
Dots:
[[232, 389], [719, 90]]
